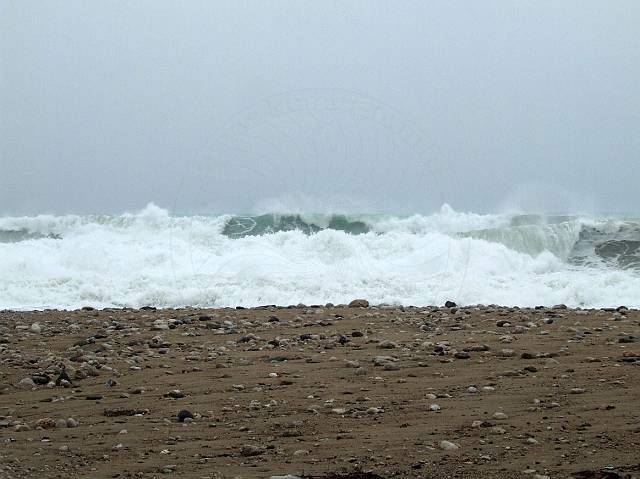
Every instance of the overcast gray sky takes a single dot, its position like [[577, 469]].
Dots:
[[232, 106]]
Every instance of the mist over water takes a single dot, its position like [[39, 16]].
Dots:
[[214, 107]]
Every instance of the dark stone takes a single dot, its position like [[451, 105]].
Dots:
[[274, 319], [450, 304], [174, 394], [93, 397], [40, 379], [627, 339], [184, 414], [63, 376], [357, 334], [250, 450], [462, 355]]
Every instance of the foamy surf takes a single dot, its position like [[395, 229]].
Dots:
[[154, 258]]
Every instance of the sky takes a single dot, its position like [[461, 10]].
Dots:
[[252, 106]]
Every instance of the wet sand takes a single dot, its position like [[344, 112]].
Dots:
[[321, 392]]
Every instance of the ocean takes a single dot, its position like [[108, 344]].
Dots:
[[154, 258]]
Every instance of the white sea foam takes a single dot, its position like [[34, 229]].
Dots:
[[153, 258]]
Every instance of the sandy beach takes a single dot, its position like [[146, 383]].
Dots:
[[321, 392]]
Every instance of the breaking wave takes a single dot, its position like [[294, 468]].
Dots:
[[154, 258]]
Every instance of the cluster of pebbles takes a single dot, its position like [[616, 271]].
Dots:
[[321, 391]]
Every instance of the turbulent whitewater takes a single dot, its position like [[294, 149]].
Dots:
[[157, 259]]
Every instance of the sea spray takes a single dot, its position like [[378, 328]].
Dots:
[[155, 258]]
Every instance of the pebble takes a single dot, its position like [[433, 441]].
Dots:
[[184, 415], [175, 394], [386, 344], [359, 303], [500, 416], [36, 328], [45, 423], [249, 450], [26, 383], [168, 469], [160, 325], [448, 446]]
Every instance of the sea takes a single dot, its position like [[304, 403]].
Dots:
[[157, 258]]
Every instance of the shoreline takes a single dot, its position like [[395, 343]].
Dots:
[[322, 392], [382, 306]]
